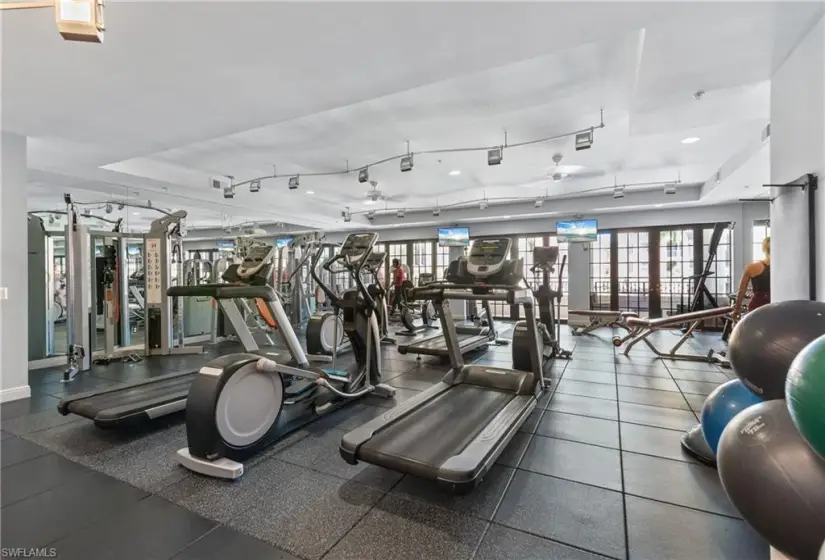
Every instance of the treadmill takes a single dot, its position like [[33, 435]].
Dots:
[[468, 337], [141, 402], [475, 410]]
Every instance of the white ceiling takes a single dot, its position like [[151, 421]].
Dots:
[[182, 91]]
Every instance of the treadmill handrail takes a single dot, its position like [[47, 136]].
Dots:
[[493, 292], [223, 291]]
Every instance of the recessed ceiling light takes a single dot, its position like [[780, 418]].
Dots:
[[690, 140], [310, 192], [370, 202], [135, 213], [455, 172]]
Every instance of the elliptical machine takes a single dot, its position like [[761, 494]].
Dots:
[[410, 311], [241, 403], [549, 327]]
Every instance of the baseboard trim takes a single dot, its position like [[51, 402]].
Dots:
[[15, 393]]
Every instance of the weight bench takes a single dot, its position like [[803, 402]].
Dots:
[[601, 319], [640, 329]]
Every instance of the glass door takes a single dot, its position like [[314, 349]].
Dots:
[[676, 268], [601, 263], [633, 271], [422, 262]]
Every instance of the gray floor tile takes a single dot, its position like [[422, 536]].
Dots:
[[38, 475], [348, 417], [651, 397], [646, 382], [583, 389], [574, 461], [532, 421], [653, 441], [606, 376], [56, 513], [583, 429], [14, 451], [38, 402], [5, 435], [693, 366], [481, 502], [696, 387], [594, 362], [657, 416], [38, 421], [298, 504], [585, 406], [418, 379], [704, 376], [501, 543], [659, 531], [319, 452], [695, 401], [125, 535], [577, 514], [222, 543], [511, 456], [654, 369], [404, 529], [683, 484]]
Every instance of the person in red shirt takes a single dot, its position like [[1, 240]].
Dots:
[[398, 277]]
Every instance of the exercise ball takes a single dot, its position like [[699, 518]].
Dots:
[[725, 402], [774, 479], [805, 393], [765, 342]]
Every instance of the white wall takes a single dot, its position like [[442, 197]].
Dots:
[[797, 148], [14, 311]]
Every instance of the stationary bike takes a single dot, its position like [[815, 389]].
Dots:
[[241, 403], [549, 327], [410, 311]]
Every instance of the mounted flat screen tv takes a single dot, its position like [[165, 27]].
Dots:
[[577, 230], [282, 242], [453, 237]]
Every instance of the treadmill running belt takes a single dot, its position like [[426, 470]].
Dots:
[[426, 438], [436, 345], [114, 407]]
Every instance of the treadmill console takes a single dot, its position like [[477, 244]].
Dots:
[[545, 256], [375, 261], [255, 267], [356, 245], [487, 256]]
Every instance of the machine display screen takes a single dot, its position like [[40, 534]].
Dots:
[[132, 250], [225, 244], [453, 237], [282, 242], [578, 230]]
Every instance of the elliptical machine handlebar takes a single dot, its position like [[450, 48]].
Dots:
[[356, 272]]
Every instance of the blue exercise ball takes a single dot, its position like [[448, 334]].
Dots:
[[725, 402]]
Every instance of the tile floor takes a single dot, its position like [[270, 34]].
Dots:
[[596, 472]]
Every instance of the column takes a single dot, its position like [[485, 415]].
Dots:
[[578, 286], [798, 148], [457, 307], [14, 328]]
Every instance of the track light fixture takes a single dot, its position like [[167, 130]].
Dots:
[[483, 205], [670, 189], [255, 186], [51, 219], [618, 192], [346, 214], [294, 182], [364, 175], [400, 213], [371, 215], [494, 156], [538, 203], [109, 208], [407, 163], [87, 212], [436, 211], [228, 191], [121, 206], [584, 140]]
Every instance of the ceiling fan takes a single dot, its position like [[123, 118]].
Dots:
[[560, 172], [375, 195]]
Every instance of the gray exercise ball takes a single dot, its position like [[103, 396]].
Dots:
[[774, 479], [765, 342]]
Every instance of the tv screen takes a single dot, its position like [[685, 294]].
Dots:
[[225, 244], [453, 237], [132, 250], [578, 230], [283, 242]]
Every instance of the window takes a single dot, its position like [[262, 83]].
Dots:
[[600, 263], [634, 271], [761, 230], [442, 261], [719, 282], [422, 259], [525, 247], [675, 269]]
